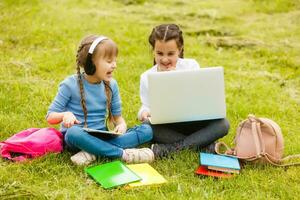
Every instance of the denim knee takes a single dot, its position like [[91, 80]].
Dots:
[[224, 126], [73, 134], [144, 132]]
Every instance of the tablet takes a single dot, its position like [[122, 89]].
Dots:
[[95, 131]]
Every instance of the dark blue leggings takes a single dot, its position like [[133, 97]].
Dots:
[[191, 134]]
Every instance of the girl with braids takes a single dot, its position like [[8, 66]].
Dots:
[[84, 99], [167, 43]]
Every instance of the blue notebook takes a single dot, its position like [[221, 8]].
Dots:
[[219, 161]]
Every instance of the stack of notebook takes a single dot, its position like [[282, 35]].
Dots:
[[113, 174], [218, 165]]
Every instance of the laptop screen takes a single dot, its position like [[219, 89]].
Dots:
[[180, 96]]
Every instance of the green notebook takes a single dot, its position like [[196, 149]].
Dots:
[[112, 174]]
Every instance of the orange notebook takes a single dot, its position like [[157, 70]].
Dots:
[[202, 170]]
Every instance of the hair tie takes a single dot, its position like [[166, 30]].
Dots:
[[166, 33]]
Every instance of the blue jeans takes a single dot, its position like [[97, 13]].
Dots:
[[77, 139]]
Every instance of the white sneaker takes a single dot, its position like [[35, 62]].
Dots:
[[83, 158], [143, 155]]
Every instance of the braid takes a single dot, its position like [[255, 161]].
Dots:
[[80, 83], [108, 93]]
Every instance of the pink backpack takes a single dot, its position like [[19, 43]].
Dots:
[[259, 140], [31, 143]]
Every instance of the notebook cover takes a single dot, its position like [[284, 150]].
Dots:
[[148, 174], [112, 174], [215, 160], [226, 170], [202, 170]]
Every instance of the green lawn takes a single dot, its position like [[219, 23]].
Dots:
[[257, 42]]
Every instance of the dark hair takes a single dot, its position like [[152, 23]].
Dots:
[[166, 32], [83, 59]]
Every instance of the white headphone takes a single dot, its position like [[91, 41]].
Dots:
[[95, 43]]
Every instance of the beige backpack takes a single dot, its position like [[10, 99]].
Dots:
[[259, 140]]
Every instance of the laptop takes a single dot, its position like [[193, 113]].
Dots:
[[181, 96]]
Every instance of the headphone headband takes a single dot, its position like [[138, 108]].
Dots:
[[95, 43]]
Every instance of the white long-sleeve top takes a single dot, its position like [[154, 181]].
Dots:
[[182, 64]]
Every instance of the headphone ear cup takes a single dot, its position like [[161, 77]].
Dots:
[[89, 67]]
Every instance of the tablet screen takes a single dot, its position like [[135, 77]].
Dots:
[[90, 130]]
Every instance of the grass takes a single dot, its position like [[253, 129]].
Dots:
[[257, 42]]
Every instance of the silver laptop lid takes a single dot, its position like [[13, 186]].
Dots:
[[180, 96]]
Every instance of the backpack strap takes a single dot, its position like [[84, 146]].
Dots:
[[257, 138], [280, 162], [285, 159], [230, 152]]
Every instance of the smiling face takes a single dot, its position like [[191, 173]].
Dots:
[[104, 58], [105, 68], [166, 54]]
